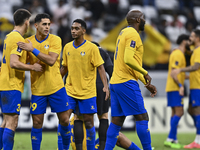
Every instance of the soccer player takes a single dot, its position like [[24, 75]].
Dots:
[[126, 98], [122, 140], [175, 89], [47, 87], [80, 60], [12, 77], [194, 78]]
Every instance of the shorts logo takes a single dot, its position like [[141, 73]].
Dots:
[[19, 49], [68, 53], [82, 53], [46, 47], [176, 63], [92, 107], [117, 137], [33, 138], [67, 104], [132, 44]]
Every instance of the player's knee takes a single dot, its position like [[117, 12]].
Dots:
[[88, 124], [37, 123], [64, 121]]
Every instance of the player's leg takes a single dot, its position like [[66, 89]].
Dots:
[[102, 111], [37, 111], [11, 103], [195, 102], [125, 143], [87, 108], [175, 101], [59, 103], [103, 126], [3, 124]]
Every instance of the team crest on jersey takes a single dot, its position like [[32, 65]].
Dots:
[[82, 53], [19, 49], [68, 53], [46, 47], [132, 44], [176, 63]]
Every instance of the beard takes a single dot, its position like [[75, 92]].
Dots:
[[141, 25]]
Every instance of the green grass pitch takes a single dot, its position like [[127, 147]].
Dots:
[[49, 140]]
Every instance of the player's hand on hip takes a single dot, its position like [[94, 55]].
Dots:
[[37, 67], [181, 91], [175, 72], [152, 89], [105, 89], [26, 46], [148, 79]]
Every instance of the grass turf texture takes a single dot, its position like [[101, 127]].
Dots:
[[49, 140]]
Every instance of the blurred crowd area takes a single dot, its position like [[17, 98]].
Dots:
[[167, 20]]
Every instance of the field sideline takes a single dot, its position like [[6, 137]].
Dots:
[[49, 140]]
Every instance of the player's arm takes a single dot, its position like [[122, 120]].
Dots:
[[63, 70], [16, 64], [181, 88], [102, 74], [131, 62], [49, 58], [190, 68]]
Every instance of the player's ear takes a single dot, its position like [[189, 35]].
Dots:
[[84, 31], [36, 25], [138, 20]]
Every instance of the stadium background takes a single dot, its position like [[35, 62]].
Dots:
[[165, 20]]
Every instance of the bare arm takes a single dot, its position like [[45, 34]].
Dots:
[[181, 88], [63, 70], [190, 68], [49, 59], [102, 74], [16, 64]]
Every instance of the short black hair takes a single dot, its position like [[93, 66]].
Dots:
[[197, 32], [181, 38], [20, 16], [39, 17], [83, 24]]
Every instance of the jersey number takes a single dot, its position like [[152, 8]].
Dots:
[[4, 58], [116, 49], [33, 106]]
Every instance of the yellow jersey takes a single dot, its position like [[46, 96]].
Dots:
[[128, 38], [81, 62], [195, 75], [12, 79], [176, 61], [50, 80]]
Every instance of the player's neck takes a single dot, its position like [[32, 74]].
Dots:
[[40, 37], [182, 48], [19, 29], [135, 27], [197, 45], [78, 41]]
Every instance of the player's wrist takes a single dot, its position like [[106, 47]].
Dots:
[[35, 52], [180, 85]]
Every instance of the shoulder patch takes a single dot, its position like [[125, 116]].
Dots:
[[133, 43], [176, 63], [19, 49]]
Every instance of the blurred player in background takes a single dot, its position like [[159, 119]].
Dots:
[[47, 87], [194, 98], [12, 78], [175, 89], [126, 98], [80, 60]]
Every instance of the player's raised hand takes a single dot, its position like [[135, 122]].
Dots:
[[175, 72], [105, 89], [148, 79], [26, 46], [152, 89], [37, 67]]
